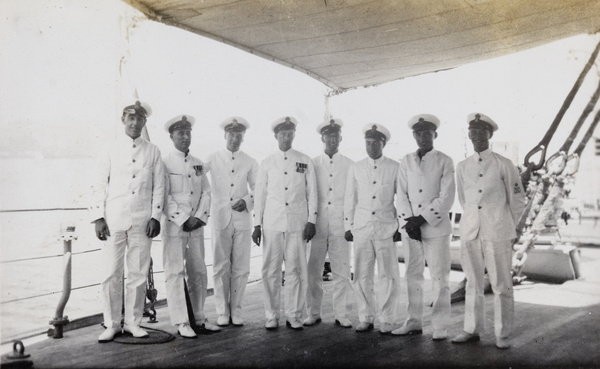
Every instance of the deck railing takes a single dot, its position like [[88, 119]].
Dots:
[[32, 309]]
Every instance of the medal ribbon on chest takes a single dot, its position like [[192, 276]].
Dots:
[[301, 167]]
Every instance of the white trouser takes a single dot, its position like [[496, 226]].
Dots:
[[231, 268], [476, 256], [183, 259], [366, 253], [436, 251], [133, 247], [339, 260], [288, 246]]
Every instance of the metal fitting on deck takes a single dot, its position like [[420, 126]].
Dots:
[[67, 234], [17, 359]]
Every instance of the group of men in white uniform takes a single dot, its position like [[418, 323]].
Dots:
[[304, 209]]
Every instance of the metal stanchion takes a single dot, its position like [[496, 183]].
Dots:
[[67, 234]]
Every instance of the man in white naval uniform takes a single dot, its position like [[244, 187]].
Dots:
[[492, 198], [128, 196], [370, 221], [286, 207], [186, 214], [425, 196], [331, 169], [233, 174]]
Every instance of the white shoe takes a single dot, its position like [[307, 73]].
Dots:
[[407, 330], [294, 324], [312, 320], [502, 343], [344, 322], [440, 335], [223, 320], [207, 326], [385, 328], [272, 324], [135, 331], [108, 335], [364, 327], [237, 321], [466, 337], [186, 331]]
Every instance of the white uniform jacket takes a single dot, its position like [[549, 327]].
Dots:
[[427, 187], [233, 176], [286, 192], [369, 210], [129, 184], [188, 192], [332, 174], [491, 195]]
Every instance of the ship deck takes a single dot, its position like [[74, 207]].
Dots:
[[557, 325]]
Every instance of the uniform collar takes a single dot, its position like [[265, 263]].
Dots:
[[231, 153], [428, 153], [180, 154], [130, 140], [484, 154], [336, 155], [285, 153], [373, 162]]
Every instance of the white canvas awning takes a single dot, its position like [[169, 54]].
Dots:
[[352, 43]]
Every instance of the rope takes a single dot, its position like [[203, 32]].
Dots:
[[55, 292], [30, 210], [47, 257], [154, 336], [543, 144], [588, 134], [548, 189], [564, 150]]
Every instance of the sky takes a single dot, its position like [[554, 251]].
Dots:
[[68, 67]]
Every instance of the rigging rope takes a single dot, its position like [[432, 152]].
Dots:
[[564, 150], [543, 144], [546, 190]]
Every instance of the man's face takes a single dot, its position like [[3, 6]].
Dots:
[[182, 138], [285, 137], [374, 147], [234, 140], [424, 138], [133, 125], [479, 136], [331, 140]]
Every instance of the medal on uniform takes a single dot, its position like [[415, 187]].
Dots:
[[198, 169], [301, 167], [517, 189]]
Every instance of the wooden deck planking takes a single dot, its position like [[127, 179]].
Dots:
[[556, 325]]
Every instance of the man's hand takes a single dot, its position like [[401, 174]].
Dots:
[[414, 222], [256, 235], [192, 224], [397, 237], [309, 231], [348, 236], [239, 206], [415, 234], [102, 231], [413, 227], [153, 228]]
